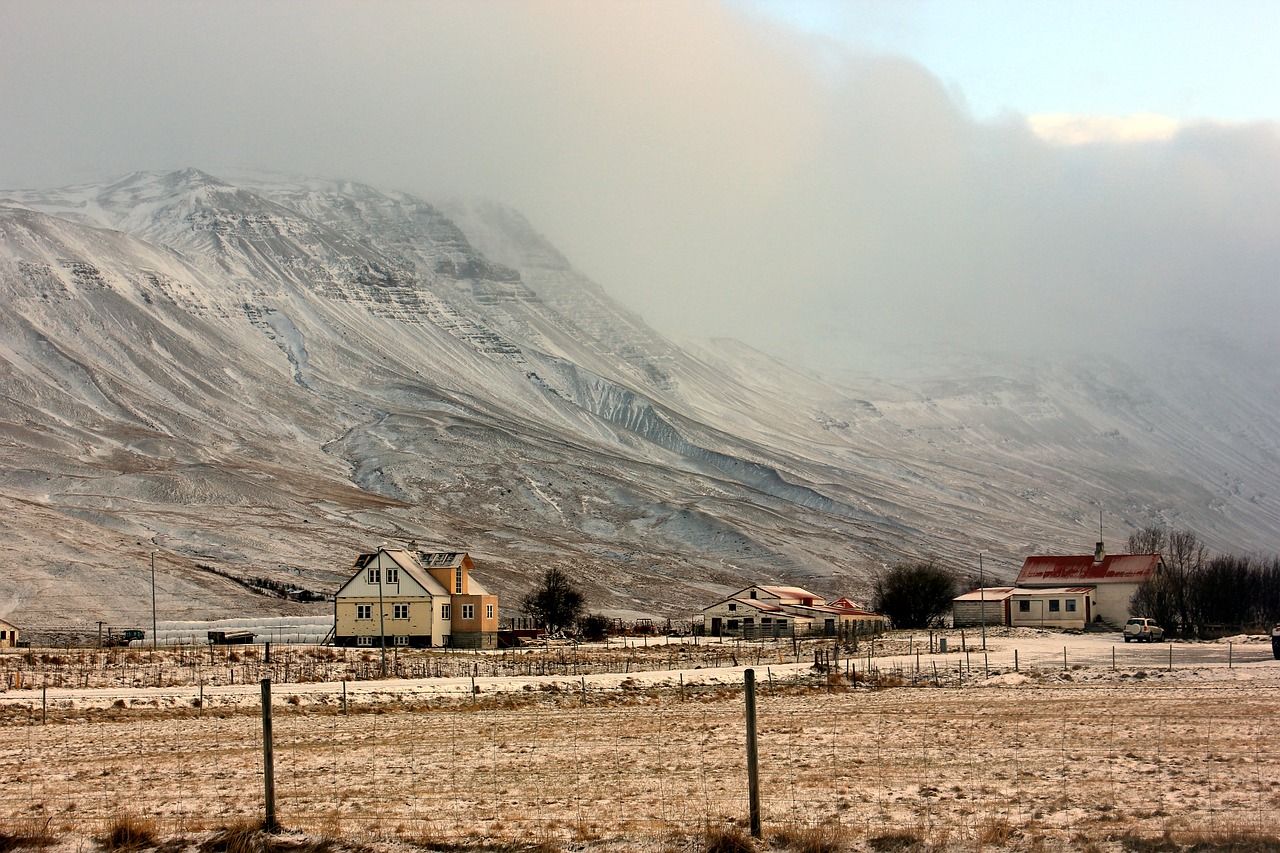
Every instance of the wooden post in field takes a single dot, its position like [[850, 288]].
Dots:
[[753, 769], [268, 761]]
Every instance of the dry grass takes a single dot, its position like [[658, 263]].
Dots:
[[995, 830], [902, 841], [27, 834], [727, 839], [813, 839], [129, 832]]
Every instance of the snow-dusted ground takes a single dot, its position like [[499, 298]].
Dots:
[[1082, 757]]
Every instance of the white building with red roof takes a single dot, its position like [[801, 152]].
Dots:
[[1114, 578], [784, 611]]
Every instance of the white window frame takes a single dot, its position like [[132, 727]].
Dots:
[[444, 611], [364, 611], [364, 640], [468, 612], [457, 581], [374, 574], [488, 611], [393, 575], [399, 611]]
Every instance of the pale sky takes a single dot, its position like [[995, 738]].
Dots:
[[826, 180]]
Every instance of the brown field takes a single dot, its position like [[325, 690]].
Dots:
[[1072, 760]]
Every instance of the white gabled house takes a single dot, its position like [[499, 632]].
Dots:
[[784, 611], [406, 597]]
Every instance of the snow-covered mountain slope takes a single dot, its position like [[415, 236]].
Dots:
[[264, 377]]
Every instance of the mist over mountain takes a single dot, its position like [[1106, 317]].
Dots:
[[263, 376]]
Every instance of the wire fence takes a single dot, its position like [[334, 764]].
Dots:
[[951, 766], [913, 659]]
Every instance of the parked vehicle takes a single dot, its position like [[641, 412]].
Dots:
[[122, 639], [1275, 641], [1141, 630]]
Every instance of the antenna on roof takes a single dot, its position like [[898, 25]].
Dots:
[[1099, 522]]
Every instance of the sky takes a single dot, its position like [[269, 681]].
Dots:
[[829, 181]]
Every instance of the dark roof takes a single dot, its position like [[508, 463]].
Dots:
[[1065, 571]]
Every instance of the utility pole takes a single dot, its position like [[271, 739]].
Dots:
[[153, 600], [382, 617], [982, 599]]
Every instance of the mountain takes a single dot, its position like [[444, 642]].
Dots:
[[260, 378]]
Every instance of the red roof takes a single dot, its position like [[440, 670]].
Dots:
[[1065, 571]]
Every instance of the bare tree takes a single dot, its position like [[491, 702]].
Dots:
[[1151, 539], [555, 602], [915, 595]]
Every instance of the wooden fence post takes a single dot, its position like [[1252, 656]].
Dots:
[[268, 761], [753, 769]]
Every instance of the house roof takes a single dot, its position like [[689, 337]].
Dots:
[[1113, 568], [991, 593], [793, 594], [8, 626], [1052, 590], [409, 564]]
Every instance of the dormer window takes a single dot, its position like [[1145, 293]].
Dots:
[[753, 593]]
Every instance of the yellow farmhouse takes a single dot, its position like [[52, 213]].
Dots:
[[404, 597]]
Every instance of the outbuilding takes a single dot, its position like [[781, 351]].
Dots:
[[8, 635], [989, 605]]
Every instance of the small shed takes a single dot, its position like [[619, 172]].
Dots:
[[989, 605], [8, 635]]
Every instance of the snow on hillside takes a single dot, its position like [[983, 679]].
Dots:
[[263, 377]]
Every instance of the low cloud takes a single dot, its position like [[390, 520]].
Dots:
[[1066, 129], [719, 174]]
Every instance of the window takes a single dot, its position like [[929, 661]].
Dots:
[[468, 611], [393, 575], [1071, 605], [732, 606], [374, 574], [733, 624], [1054, 605], [457, 581], [364, 611], [364, 641], [400, 640], [753, 593], [400, 611], [1024, 606], [444, 611], [488, 611]]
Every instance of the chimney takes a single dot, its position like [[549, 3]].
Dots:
[[1099, 552]]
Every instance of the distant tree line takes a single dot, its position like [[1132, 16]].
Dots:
[[1199, 594]]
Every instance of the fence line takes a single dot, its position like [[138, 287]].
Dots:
[[944, 763]]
